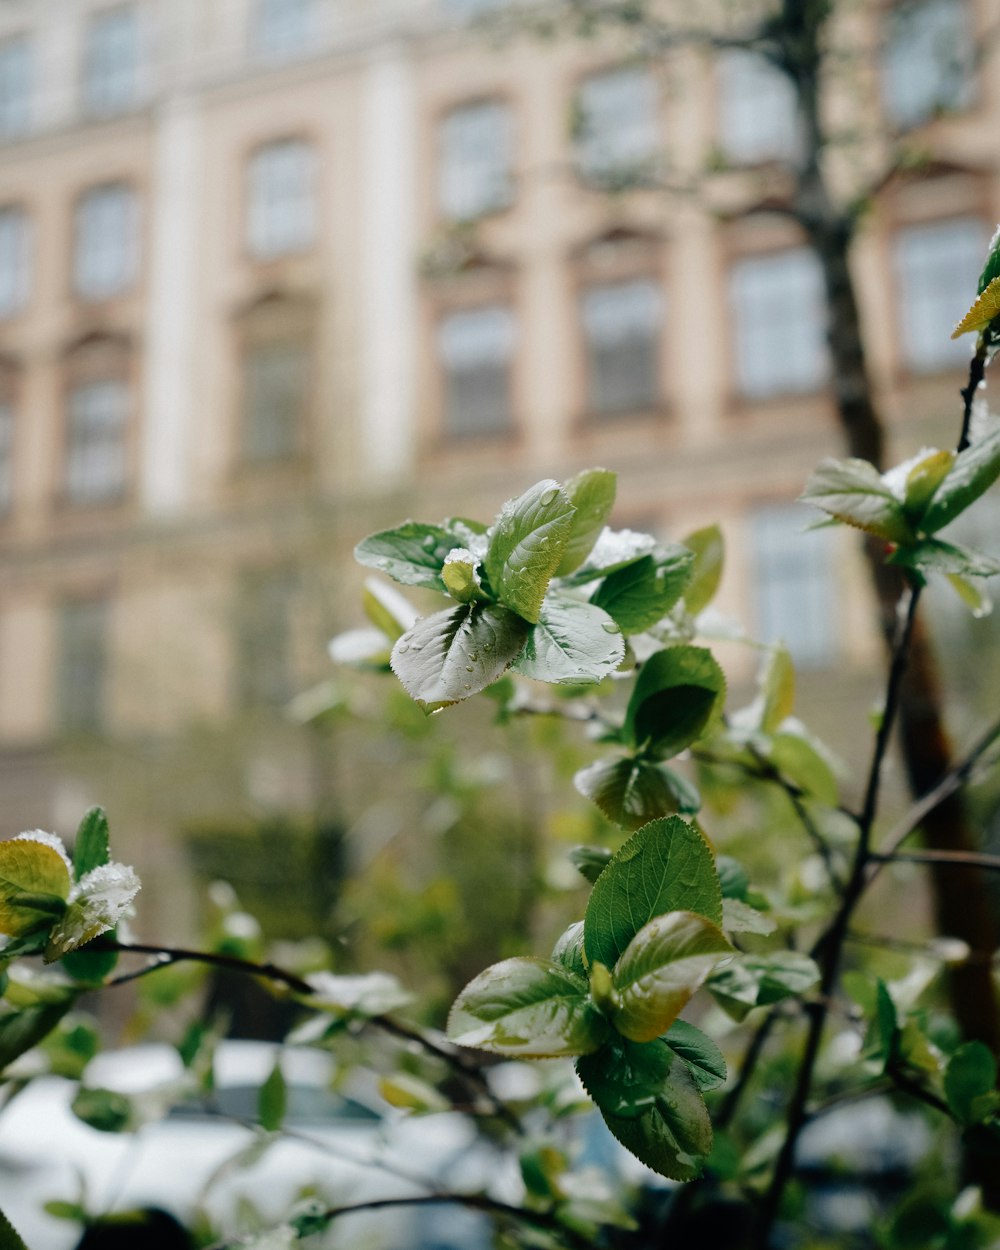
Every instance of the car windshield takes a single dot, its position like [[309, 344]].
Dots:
[[307, 1104]]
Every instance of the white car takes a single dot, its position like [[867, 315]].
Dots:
[[343, 1148]]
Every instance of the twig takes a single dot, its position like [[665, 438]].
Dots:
[[166, 955], [968, 859], [795, 796], [751, 1058], [477, 1202], [953, 780]]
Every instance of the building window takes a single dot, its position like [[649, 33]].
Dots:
[[476, 347], [778, 312], [107, 241], [15, 87], [275, 391], [281, 198], [263, 660], [6, 456], [794, 585], [474, 169], [758, 119], [281, 28], [929, 60], [622, 323], [15, 260], [617, 133], [81, 671], [95, 446], [937, 269], [111, 62]]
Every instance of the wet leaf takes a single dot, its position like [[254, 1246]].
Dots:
[[933, 555], [749, 981], [527, 545], [590, 861], [413, 553], [568, 950], [573, 643], [34, 882], [853, 491], [592, 494], [982, 312], [660, 970], [970, 1083], [99, 901], [665, 866], [699, 1052], [531, 1008], [973, 473], [90, 850], [642, 593], [456, 653]]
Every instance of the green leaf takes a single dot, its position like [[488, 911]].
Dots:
[[777, 688], [590, 861], [975, 598], [852, 491], [749, 981], [573, 643], [641, 594], [71, 1211], [412, 553], [923, 480], [34, 883], [592, 494], [614, 550], [456, 653], [531, 1008], [709, 552], [882, 1038], [107, 1110], [24, 1029], [675, 696], [733, 877], [973, 473], [991, 269], [568, 950], [90, 850], [699, 1052], [740, 917], [651, 1103], [403, 1089], [633, 791], [101, 898], [799, 761], [460, 576], [527, 545], [10, 1239], [89, 967], [665, 866], [660, 970], [933, 555], [970, 1083], [272, 1100]]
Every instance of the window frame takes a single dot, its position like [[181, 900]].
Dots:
[[504, 198], [654, 401], [631, 171], [97, 100], [95, 662], [131, 250], [24, 108], [901, 120], [254, 233]]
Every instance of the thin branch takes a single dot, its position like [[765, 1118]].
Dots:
[[967, 859], [166, 955], [796, 797], [908, 1085], [545, 1220], [953, 780], [751, 1059]]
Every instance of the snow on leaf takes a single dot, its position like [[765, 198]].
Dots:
[[98, 901]]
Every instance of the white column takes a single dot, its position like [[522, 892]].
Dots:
[[387, 270], [171, 310]]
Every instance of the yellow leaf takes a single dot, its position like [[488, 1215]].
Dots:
[[982, 312], [34, 884]]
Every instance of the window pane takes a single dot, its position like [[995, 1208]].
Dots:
[[15, 87], [622, 324], [82, 667], [281, 208], [107, 241], [928, 61], [618, 133], [275, 386], [474, 173], [778, 311], [937, 270], [110, 79], [476, 349], [15, 260], [282, 27], [757, 113], [95, 461], [6, 456], [794, 584], [263, 640]]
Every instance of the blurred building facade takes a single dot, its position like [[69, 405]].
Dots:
[[274, 273]]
